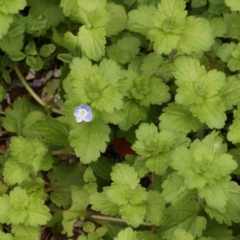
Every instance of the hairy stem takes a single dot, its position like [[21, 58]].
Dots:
[[34, 95], [112, 219]]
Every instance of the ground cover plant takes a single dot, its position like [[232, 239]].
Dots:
[[120, 119]]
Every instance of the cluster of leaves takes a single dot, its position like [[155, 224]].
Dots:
[[163, 74]]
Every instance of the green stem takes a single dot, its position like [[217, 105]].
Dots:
[[112, 219], [200, 133], [34, 95], [62, 151]]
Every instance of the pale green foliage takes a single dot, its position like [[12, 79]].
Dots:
[[206, 167], [156, 147], [5, 20], [89, 139], [118, 19], [126, 197], [26, 157], [199, 90], [234, 130], [177, 117], [230, 53], [232, 207], [233, 28], [183, 215], [14, 117], [219, 27], [180, 234], [92, 42], [92, 13], [124, 50], [47, 8], [12, 6], [77, 210], [229, 92], [233, 4], [126, 234], [170, 28], [21, 208]]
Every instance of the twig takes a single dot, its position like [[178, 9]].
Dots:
[[34, 95], [112, 219]]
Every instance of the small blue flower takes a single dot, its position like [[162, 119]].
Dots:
[[83, 113]]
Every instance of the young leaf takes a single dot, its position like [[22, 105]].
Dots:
[[77, 210], [118, 19], [12, 6], [142, 19], [233, 4], [47, 8], [52, 130], [233, 133], [124, 50], [178, 118], [155, 207], [92, 42], [5, 20], [183, 215], [89, 139], [100, 202], [61, 178], [126, 234]]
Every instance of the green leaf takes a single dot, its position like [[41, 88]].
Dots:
[[233, 4], [35, 62], [232, 207], [155, 207], [23, 232], [46, 50], [10, 44], [89, 175], [92, 13], [69, 8], [233, 28], [183, 215], [234, 129], [61, 179], [196, 30], [225, 51], [126, 175], [133, 214], [132, 114], [229, 92], [198, 3], [12, 6], [48, 8], [126, 234], [89, 139], [102, 168], [65, 57], [72, 43], [173, 188], [77, 210], [178, 118], [235, 152], [100, 202], [26, 209], [6, 76], [142, 19], [5, 20], [52, 130], [92, 42], [124, 50], [14, 172], [219, 27], [211, 112], [4, 209], [118, 19], [18, 56]]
